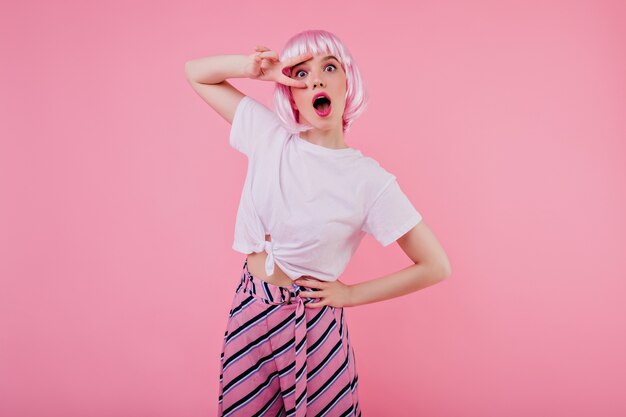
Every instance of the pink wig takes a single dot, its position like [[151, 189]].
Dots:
[[320, 42]]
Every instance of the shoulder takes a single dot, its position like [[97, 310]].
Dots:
[[373, 173], [254, 113], [368, 179], [260, 109], [254, 126]]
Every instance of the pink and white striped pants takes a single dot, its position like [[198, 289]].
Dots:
[[282, 359]]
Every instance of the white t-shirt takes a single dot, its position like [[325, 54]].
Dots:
[[317, 203]]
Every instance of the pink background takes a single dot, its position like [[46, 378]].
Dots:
[[503, 121]]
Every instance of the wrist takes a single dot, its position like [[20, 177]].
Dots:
[[241, 64], [353, 298]]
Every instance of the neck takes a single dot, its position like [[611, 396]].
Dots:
[[332, 138]]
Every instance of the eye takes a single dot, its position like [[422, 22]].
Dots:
[[297, 73]]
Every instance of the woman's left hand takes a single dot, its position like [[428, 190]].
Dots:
[[330, 293]]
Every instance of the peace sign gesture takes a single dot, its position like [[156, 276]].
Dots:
[[264, 65]]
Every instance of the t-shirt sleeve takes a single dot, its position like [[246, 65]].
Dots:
[[391, 215], [253, 123]]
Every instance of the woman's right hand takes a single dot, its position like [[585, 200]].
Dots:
[[264, 65]]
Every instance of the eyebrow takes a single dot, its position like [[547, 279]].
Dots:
[[326, 58]]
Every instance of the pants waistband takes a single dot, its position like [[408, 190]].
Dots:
[[270, 293]]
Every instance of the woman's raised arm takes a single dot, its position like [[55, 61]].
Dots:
[[208, 75]]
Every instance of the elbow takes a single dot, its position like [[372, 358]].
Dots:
[[437, 271], [444, 266], [447, 272], [444, 270], [188, 75], [187, 70]]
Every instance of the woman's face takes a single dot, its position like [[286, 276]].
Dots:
[[322, 74]]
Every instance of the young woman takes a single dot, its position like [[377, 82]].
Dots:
[[307, 201]]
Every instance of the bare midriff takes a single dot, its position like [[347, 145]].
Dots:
[[256, 267]]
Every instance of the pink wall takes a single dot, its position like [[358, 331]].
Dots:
[[503, 121]]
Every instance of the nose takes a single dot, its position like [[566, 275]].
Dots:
[[318, 83], [317, 80]]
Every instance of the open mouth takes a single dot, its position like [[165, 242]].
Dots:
[[321, 103]]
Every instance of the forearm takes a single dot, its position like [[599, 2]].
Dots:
[[215, 69], [405, 281]]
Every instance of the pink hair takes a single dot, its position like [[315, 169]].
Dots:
[[319, 42]]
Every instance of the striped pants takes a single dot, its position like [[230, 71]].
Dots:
[[282, 359]]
